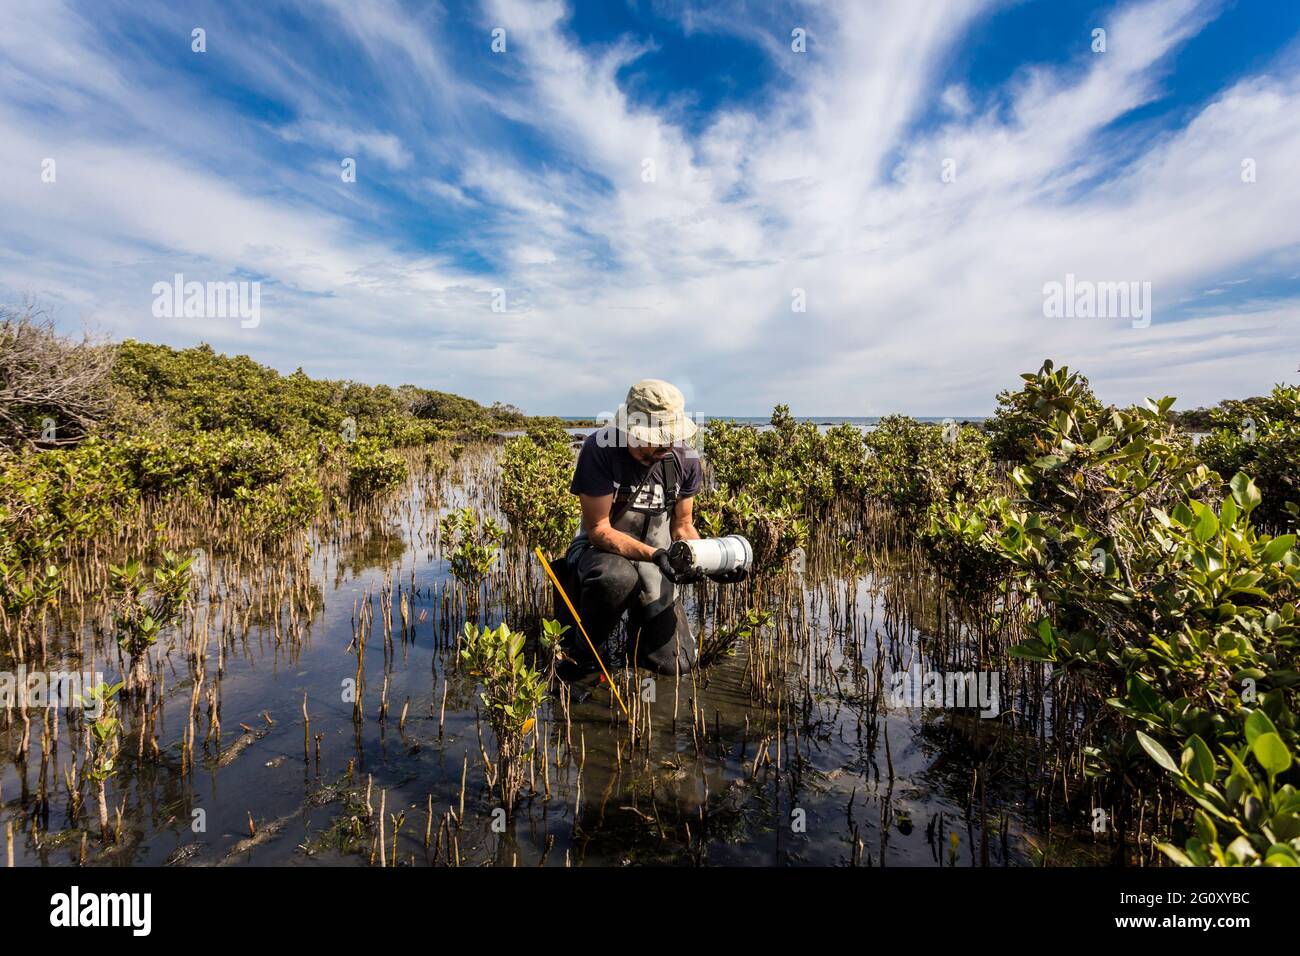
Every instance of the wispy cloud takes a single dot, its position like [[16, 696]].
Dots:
[[916, 210]]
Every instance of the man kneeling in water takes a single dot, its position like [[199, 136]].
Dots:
[[636, 479]]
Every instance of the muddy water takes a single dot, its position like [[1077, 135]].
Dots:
[[813, 778]]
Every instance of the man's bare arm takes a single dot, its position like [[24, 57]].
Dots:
[[683, 521], [595, 518]]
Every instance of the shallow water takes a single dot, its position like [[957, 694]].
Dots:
[[829, 792]]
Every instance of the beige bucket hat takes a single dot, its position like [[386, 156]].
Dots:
[[655, 414]]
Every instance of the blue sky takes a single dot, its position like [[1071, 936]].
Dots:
[[523, 176]]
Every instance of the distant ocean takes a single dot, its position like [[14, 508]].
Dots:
[[819, 419], [823, 422]]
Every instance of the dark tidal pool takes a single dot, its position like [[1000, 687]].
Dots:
[[809, 776]]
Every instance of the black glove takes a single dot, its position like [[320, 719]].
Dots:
[[660, 560], [690, 577], [734, 576]]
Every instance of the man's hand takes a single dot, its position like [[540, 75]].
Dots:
[[660, 559], [665, 565], [734, 576]]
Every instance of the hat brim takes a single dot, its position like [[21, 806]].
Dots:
[[682, 430]]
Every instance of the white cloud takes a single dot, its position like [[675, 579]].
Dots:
[[957, 101], [923, 295], [382, 146]]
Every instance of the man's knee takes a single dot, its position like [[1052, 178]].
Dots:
[[611, 576]]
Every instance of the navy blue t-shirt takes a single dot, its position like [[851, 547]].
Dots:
[[605, 467]]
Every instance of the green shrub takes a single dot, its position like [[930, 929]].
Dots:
[[50, 502], [371, 470], [1018, 429], [145, 604], [913, 465], [773, 532], [1261, 436], [791, 467], [512, 692], [198, 389], [219, 463], [1205, 668], [470, 545], [535, 473], [395, 431], [1162, 602], [767, 484], [954, 541]]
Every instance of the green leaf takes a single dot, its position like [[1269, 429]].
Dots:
[[1278, 547], [1157, 752], [1241, 849], [1271, 753], [1175, 854], [1239, 771], [1256, 724], [1207, 525], [1279, 854], [1228, 513], [1244, 491], [1031, 651], [1197, 760], [1141, 697], [1205, 828], [1045, 634]]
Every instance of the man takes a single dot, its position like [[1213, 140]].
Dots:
[[636, 479]]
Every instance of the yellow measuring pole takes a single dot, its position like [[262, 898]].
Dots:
[[574, 611]]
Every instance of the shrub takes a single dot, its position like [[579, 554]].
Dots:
[[512, 692], [954, 540], [1018, 429], [470, 545], [371, 470], [198, 389], [914, 465], [50, 502], [535, 473], [105, 732], [1164, 604], [219, 463], [791, 467], [273, 483], [47, 379], [1261, 436], [1205, 669], [143, 606], [774, 533], [768, 484]]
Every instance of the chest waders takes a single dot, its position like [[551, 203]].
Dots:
[[658, 632]]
